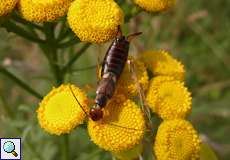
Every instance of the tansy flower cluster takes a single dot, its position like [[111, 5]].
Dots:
[[94, 21], [122, 128], [168, 97]]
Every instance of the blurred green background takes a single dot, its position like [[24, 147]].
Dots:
[[196, 32]]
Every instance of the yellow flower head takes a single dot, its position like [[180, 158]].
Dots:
[[177, 140], [95, 21], [59, 112], [43, 10], [162, 63], [155, 5], [127, 83], [121, 128], [6, 6], [169, 99], [153, 84]]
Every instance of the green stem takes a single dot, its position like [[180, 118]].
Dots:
[[69, 43], [19, 82], [20, 20], [65, 147], [12, 27], [51, 52], [63, 35], [75, 57]]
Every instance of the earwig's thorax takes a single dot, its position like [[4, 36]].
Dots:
[[121, 41]]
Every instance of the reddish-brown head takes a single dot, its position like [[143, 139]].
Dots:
[[96, 113]]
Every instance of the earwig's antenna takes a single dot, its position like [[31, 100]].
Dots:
[[132, 36], [115, 125], [77, 100]]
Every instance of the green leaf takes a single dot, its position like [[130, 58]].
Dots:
[[207, 153]]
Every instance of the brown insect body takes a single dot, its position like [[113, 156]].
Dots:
[[112, 67]]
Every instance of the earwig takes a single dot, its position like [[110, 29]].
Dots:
[[112, 67]]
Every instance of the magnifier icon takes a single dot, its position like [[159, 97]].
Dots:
[[9, 147]]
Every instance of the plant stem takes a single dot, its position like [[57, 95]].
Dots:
[[64, 30], [18, 19], [75, 57], [12, 27], [19, 82], [65, 147], [69, 43], [51, 52]]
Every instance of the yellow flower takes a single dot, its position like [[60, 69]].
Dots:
[[177, 140], [121, 128], [155, 5], [162, 63], [153, 84], [6, 6], [127, 83], [59, 112], [95, 21], [43, 10], [169, 99]]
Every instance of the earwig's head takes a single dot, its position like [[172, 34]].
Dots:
[[96, 113], [121, 38]]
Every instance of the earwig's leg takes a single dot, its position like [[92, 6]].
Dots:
[[143, 101], [98, 65]]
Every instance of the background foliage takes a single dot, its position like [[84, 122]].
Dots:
[[197, 33]]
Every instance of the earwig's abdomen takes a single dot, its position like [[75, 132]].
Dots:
[[116, 57], [113, 65]]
